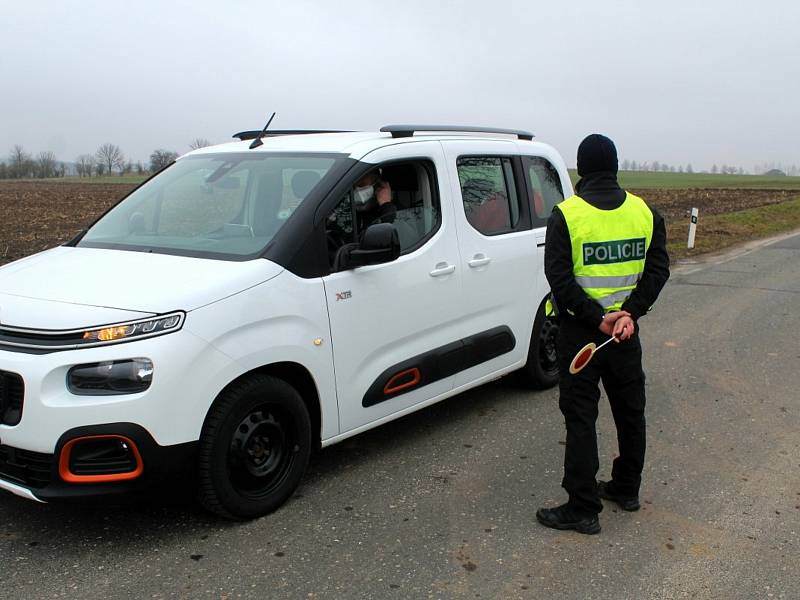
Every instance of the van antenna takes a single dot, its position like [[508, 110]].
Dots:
[[257, 141]]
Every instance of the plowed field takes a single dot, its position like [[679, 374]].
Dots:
[[675, 205], [35, 215]]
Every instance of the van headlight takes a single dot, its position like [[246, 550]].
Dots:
[[122, 332], [53, 340], [111, 377]]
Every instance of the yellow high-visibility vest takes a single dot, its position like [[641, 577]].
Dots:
[[608, 247]]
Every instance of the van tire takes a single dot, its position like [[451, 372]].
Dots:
[[254, 448], [541, 370]]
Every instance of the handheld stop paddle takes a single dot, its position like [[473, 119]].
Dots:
[[585, 354]]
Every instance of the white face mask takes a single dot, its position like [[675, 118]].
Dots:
[[363, 194]]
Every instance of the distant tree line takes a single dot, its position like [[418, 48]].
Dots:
[[772, 168], [22, 164], [760, 169], [108, 159], [659, 167]]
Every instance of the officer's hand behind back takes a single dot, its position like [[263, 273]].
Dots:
[[624, 328], [608, 324]]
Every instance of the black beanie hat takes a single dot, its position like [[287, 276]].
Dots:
[[597, 153]]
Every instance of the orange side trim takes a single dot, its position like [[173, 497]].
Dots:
[[70, 477], [392, 386]]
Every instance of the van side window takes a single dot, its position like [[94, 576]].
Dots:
[[415, 210], [489, 193], [545, 188]]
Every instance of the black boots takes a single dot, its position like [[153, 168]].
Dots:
[[605, 489], [564, 517]]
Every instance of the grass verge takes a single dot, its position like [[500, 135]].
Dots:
[[717, 232]]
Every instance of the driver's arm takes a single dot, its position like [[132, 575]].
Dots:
[[386, 211]]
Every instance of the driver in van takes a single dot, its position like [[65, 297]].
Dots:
[[373, 200]]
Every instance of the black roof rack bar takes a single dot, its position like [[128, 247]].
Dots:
[[409, 130], [251, 135]]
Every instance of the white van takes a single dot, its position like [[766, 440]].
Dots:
[[244, 306]]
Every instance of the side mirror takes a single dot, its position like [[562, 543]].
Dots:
[[379, 244]]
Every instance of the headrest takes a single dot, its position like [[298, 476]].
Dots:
[[401, 177], [303, 182]]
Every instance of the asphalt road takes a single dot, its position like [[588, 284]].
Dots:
[[441, 504]]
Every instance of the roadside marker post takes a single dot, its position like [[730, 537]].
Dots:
[[692, 227]]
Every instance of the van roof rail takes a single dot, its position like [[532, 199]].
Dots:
[[251, 135], [399, 131]]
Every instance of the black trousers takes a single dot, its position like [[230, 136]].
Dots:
[[619, 367]]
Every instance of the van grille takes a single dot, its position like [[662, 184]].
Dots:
[[31, 469], [12, 392]]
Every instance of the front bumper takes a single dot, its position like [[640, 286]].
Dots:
[[40, 476]]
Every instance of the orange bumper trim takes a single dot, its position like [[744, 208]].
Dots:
[[70, 477]]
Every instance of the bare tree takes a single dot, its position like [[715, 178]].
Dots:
[[84, 165], [45, 164], [199, 143], [19, 163], [160, 159], [110, 156], [99, 169]]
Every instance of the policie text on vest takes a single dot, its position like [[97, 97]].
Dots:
[[616, 251]]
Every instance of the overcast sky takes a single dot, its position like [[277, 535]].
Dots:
[[678, 82]]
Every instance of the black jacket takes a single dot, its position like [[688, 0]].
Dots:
[[602, 191], [376, 213]]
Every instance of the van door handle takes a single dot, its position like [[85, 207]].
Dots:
[[479, 260], [441, 269]]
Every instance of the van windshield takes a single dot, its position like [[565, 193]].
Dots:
[[226, 206]]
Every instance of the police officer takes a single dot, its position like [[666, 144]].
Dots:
[[606, 262]]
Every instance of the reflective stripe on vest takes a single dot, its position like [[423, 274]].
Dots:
[[608, 247]]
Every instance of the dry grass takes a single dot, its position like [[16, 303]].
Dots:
[[719, 231]]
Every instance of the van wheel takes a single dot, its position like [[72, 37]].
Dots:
[[254, 448], [541, 370]]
